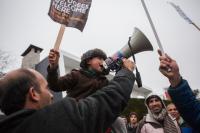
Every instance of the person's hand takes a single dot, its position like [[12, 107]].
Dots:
[[169, 68], [53, 58], [130, 65]]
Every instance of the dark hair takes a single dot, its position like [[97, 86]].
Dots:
[[13, 90], [91, 54], [133, 113]]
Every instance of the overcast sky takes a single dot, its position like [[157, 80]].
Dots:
[[110, 23]]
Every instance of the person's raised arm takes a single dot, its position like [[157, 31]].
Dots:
[[169, 68], [55, 82], [53, 59], [180, 92], [102, 108]]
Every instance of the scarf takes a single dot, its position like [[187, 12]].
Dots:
[[168, 124]]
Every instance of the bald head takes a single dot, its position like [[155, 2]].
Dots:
[[14, 87]]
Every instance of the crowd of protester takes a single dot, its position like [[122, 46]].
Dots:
[[93, 104]]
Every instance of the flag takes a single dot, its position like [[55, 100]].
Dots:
[[71, 13], [166, 94], [181, 13]]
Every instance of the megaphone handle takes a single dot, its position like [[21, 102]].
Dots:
[[138, 78]]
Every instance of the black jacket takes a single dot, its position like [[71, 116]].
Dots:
[[131, 129], [90, 115], [186, 103]]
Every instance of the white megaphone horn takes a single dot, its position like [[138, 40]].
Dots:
[[138, 43]]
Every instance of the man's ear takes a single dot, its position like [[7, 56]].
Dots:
[[33, 94]]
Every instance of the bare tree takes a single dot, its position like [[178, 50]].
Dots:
[[6, 61], [196, 92]]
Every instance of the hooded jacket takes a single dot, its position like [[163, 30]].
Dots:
[[149, 125]]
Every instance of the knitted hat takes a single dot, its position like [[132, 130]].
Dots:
[[91, 54]]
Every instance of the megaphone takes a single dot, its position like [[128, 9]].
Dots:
[[137, 43]]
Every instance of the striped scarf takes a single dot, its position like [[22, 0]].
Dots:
[[168, 124]]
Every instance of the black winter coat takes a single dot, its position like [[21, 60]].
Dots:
[[90, 115]]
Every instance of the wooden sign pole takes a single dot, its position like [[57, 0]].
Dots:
[[59, 37]]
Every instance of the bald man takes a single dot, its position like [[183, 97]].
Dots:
[[27, 102]]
